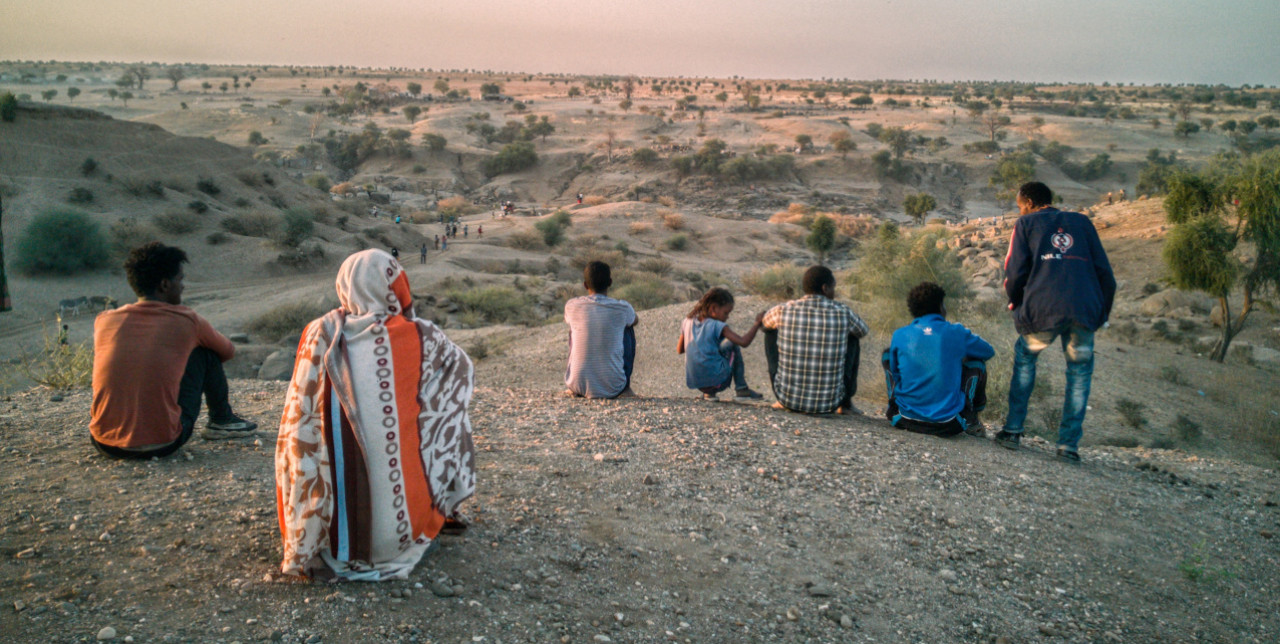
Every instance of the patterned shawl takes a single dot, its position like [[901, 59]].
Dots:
[[375, 449]]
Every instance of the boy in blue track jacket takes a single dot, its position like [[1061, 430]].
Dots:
[[935, 371], [1060, 286]]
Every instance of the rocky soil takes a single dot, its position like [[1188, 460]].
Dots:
[[659, 519]]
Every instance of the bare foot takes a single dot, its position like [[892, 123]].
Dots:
[[777, 405], [848, 411]]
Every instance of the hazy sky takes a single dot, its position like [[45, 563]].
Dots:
[[1203, 41]]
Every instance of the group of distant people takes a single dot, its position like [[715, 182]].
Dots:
[[374, 454]]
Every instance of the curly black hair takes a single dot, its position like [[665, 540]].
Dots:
[[151, 263], [597, 276], [925, 299], [1037, 193], [816, 278]]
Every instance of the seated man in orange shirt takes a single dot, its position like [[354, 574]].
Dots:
[[153, 361]]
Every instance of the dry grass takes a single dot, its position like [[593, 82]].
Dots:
[[595, 200], [287, 319], [673, 221], [847, 225], [669, 202], [639, 227], [59, 366]]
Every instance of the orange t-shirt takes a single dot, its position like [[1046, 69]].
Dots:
[[140, 353]]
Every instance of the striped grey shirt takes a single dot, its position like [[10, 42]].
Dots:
[[596, 325]]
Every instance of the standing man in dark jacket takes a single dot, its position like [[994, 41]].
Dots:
[[1060, 285]]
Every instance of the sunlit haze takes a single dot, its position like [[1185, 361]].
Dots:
[[1199, 41]]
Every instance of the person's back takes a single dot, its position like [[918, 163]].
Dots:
[[1057, 273], [140, 353], [816, 369], [925, 363], [598, 338]]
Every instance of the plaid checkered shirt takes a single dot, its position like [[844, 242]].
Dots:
[[813, 333]]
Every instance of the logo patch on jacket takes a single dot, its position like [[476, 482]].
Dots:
[[1061, 241]]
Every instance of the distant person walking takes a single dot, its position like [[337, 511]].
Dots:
[[422, 254], [444, 244], [1060, 286], [479, 231], [436, 243], [466, 230], [579, 197]]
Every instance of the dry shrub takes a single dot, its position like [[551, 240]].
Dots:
[[525, 239], [643, 290], [658, 265], [614, 258], [640, 227], [288, 319], [344, 188], [455, 207], [778, 282], [256, 223], [847, 225], [646, 199], [59, 366], [422, 217], [594, 200], [673, 221], [130, 233], [177, 222], [669, 202]]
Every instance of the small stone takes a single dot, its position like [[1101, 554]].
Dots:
[[948, 575], [1048, 630], [29, 553], [128, 639], [955, 590], [599, 457], [106, 634], [19, 606], [441, 589], [406, 593], [251, 621], [239, 338], [650, 480], [268, 578], [821, 590], [846, 621], [314, 639], [1267, 534], [276, 636], [602, 638], [56, 398], [793, 614]]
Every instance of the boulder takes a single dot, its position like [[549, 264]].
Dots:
[[278, 366], [1165, 301]]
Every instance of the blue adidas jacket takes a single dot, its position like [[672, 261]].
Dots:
[[1057, 274], [925, 358]]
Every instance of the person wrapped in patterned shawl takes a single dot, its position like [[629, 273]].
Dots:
[[375, 452]]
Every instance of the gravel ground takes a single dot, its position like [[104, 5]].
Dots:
[[658, 519]]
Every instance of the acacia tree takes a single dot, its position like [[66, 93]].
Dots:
[[441, 85], [175, 74], [411, 112], [918, 205], [72, 93], [843, 143], [414, 88], [1204, 249], [994, 125]]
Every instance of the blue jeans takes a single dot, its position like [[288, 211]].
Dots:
[[1077, 346], [737, 371]]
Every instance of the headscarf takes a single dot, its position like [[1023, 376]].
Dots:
[[380, 362]]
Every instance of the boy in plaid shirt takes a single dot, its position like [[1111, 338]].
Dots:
[[812, 346]]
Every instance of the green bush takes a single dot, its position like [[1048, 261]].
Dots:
[[299, 224], [777, 282], [88, 167], [8, 107], [207, 186], [61, 241], [1131, 411], [176, 222], [319, 182], [513, 157], [553, 227], [677, 242], [140, 187], [80, 196], [216, 237], [643, 290], [645, 156], [494, 304], [892, 264], [284, 320], [198, 207]]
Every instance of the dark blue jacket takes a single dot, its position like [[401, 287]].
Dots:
[[1057, 274], [925, 358]]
